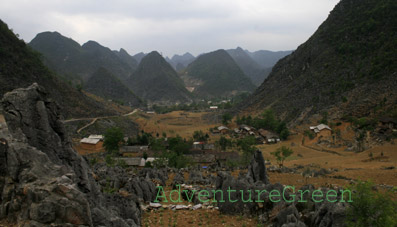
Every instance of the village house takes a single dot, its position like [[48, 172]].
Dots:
[[133, 151], [269, 137], [321, 130], [93, 143], [223, 129]]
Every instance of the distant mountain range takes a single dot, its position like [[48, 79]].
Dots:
[[216, 74], [72, 61], [20, 66], [219, 73], [347, 68], [157, 82]]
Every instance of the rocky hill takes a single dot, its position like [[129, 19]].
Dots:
[[20, 66], [72, 61], [105, 85], [157, 82], [346, 68], [252, 69], [216, 74]]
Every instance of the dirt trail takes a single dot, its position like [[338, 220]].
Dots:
[[94, 119]]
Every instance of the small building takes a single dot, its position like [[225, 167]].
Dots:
[[269, 137], [198, 145], [136, 161], [133, 150], [223, 129], [213, 107], [209, 146], [321, 130], [245, 128], [91, 144]]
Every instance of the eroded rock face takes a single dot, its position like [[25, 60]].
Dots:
[[43, 180]]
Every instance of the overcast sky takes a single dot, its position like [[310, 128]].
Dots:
[[171, 26]]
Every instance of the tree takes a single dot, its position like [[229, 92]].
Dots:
[[226, 118], [224, 143], [112, 139], [199, 136], [145, 155], [281, 154]]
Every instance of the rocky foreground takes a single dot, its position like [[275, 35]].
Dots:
[[44, 182]]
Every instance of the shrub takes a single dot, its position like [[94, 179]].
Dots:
[[371, 208], [282, 153]]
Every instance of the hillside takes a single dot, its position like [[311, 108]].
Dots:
[[20, 66], [252, 69], [105, 85], [346, 68], [216, 74], [74, 62], [157, 82]]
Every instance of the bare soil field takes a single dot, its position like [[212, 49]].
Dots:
[[175, 123]]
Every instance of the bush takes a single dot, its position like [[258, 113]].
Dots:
[[371, 208]]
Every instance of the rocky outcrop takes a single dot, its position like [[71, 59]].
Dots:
[[43, 180], [257, 168], [249, 195]]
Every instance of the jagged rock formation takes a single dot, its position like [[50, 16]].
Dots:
[[254, 200], [44, 181], [257, 168]]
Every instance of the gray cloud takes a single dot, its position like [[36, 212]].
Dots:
[[171, 26]]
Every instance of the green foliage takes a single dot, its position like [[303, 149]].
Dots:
[[200, 136], [148, 165], [324, 119], [226, 118], [224, 143], [110, 160], [145, 155], [371, 208], [309, 133], [282, 153], [112, 139], [122, 164]]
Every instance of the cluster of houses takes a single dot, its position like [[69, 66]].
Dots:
[[262, 136]]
